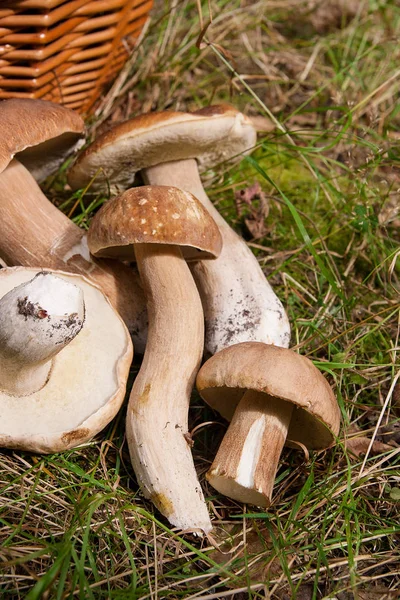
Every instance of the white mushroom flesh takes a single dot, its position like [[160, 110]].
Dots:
[[247, 459]]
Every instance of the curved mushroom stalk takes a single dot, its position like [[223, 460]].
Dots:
[[157, 418], [239, 303], [33, 232], [158, 226], [248, 457], [37, 320]]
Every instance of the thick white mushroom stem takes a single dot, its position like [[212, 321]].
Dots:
[[239, 303], [247, 460], [37, 320], [157, 418], [34, 233]]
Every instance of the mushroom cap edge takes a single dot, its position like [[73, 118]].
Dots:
[[279, 372]]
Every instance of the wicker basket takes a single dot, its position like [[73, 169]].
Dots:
[[65, 50]]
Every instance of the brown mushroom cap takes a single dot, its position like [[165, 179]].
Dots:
[[154, 215], [41, 133], [278, 372], [210, 135]]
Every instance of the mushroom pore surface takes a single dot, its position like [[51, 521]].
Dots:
[[86, 384]]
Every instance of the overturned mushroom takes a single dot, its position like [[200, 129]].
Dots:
[[64, 360], [170, 148], [273, 396], [160, 227], [33, 232]]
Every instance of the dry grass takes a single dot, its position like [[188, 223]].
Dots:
[[321, 81]]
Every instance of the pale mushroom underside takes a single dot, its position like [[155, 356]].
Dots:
[[87, 379]]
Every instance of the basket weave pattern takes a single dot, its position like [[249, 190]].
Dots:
[[65, 50]]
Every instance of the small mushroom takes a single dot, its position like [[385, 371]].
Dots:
[[64, 360], [33, 232], [160, 227], [272, 396], [171, 148]]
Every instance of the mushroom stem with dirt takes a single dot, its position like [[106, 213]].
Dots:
[[37, 320], [65, 355], [33, 232], [239, 303], [161, 227], [172, 148], [273, 397]]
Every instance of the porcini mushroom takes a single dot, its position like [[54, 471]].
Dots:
[[33, 232], [160, 227], [65, 355], [272, 396], [170, 148]]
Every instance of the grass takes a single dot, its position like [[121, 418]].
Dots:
[[322, 83]]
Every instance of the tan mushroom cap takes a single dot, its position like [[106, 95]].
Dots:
[[278, 372], [87, 381], [41, 133], [154, 215], [210, 135]]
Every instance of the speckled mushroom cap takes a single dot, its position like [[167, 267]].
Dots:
[[41, 134], [277, 372], [154, 215], [210, 135], [87, 381]]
